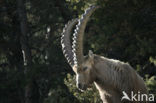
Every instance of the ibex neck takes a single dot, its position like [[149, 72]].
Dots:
[[113, 77], [108, 73]]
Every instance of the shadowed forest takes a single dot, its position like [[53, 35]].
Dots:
[[33, 68]]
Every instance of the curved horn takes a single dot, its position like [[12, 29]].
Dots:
[[78, 35], [66, 42]]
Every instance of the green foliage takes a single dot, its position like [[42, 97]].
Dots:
[[152, 60], [59, 95], [90, 95], [151, 84]]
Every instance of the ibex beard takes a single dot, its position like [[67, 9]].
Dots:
[[110, 76]]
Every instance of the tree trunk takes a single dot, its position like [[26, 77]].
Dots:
[[24, 34], [27, 57]]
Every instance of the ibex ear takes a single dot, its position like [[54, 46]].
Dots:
[[91, 55]]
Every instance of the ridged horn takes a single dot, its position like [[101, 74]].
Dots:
[[66, 42], [77, 44]]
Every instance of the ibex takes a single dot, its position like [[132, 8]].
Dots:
[[111, 77]]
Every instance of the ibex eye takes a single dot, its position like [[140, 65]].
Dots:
[[85, 68]]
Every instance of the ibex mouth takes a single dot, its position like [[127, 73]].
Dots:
[[82, 90], [82, 87]]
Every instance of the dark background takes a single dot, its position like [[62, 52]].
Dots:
[[120, 29]]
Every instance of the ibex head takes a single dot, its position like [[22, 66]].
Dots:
[[82, 65]]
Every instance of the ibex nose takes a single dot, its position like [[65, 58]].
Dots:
[[79, 85]]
